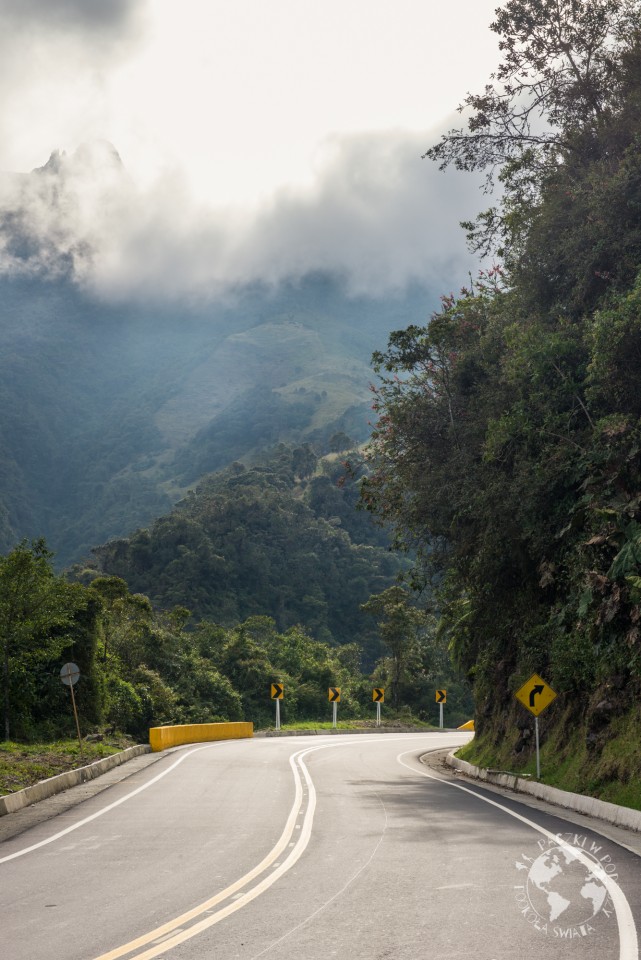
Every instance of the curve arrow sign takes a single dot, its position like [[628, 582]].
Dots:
[[538, 689]]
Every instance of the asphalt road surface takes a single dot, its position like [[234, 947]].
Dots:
[[313, 848]]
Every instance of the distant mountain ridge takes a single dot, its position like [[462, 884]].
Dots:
[[112, 410], [109, 412]]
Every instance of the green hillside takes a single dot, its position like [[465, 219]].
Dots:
[[111, 412], [281, 538]]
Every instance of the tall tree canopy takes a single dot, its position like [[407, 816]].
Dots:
[[37, 610], [564, 73], [507, 445]]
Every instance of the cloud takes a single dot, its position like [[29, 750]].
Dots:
[[94, 19], [55, 58], [379, 213], [375, 213]]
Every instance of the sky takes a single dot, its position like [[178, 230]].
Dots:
[[259, 138]]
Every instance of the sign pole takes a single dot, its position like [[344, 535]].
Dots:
[[378, 695], [536, 695], [75, 713], [70, 674], [278, 692], [334, 713], [440, 708]]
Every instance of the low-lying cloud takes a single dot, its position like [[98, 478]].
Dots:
[[75, 15], [376, 213], [55, 56]]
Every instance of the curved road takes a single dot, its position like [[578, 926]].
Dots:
[[313, 847]]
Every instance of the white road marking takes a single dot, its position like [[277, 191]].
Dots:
[[297, 764], [94, 816], [331, 900], [628, 943], [172, 933]]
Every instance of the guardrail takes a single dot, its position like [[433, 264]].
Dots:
[[161, 738]]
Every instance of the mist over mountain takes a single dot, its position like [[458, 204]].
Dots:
[[113, 406], [110, 412], [367, 218]]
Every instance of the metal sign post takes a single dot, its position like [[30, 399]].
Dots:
[[378, 696], [278, 692], [536, 695], [334, 695], [441, 698], [70, 674]]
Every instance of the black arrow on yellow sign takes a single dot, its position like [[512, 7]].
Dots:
[[378, 695], [539, 688], [334, 694], [278, 691], [441, 696]]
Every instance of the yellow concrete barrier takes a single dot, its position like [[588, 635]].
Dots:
[[160, 738], [467, 726]]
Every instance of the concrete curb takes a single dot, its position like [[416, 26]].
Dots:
[[590, 806], [47, 788]]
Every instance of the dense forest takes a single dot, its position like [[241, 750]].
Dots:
[[264, 573], [280, 538], [508, 445]]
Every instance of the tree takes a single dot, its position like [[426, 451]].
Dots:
[[304, 460], [399, 624], [35, 608], [560, 78], [506, 449]]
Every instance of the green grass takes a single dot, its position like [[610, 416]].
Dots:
[[356, 724], [610, 772], [22, 765]]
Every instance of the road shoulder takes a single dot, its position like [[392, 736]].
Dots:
[[629, 839]]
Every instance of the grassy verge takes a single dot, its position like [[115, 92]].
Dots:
[[356, 725], [611, 772], [22, 765]]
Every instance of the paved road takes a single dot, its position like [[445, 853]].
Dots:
[[313, 848]]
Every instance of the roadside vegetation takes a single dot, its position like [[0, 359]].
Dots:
[[507, 451], [280, 545], [23, 764]]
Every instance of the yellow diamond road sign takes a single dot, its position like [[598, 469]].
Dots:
[[535, 694]]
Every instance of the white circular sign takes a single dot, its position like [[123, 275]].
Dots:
[[70, 674]]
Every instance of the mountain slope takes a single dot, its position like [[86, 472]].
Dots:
[[111, 411], [264, 541]]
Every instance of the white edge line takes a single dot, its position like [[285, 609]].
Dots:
[[628, 943], [99, 813]]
